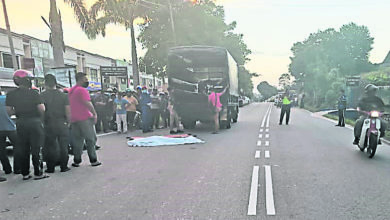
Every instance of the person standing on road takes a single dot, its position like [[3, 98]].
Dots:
[[131, 109], [83, 119], [342, 107], [145, 102], [286, 108], [174, 119], [121, 104], [216, 106], [155, 109], [57, 119], [100, 101], [164, 109], [29, 109], [8, 129]]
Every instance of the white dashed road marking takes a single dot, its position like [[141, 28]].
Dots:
[[266, 135], [267, 155], [269, 194], [257, 155], [260, 135], [258, 143], [267, 143], [252, 206]]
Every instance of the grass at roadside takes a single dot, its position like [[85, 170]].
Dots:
[[336, 118]]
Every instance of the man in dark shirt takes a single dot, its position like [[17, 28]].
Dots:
[[100, 102], [342, 107], [28, 107], [57, 118]]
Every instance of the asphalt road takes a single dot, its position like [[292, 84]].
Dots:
[[306, 170]]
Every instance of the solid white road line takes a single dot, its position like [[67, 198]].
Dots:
[[267, 143], [269, 116], [269, 194], [267, 155], [105, 134], [257, 155], [258, 143], [266, 135], [265, 116], [252, 206], [260, 135]]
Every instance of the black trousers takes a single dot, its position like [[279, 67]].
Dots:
[[130, 119], [156, 117], [3, 154], [101, 119], [56, 144], [285, 111], [30, 140], [341, 117]]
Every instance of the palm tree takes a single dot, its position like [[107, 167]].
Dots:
[[104, 12]]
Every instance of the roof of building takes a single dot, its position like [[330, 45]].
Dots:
[[24, 36], [387, 59]]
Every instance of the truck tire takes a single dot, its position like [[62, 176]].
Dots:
[[235, 115], [189, 124]]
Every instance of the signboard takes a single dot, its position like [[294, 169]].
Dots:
[[65, 76], [113, 71], [94, 86], [353, 81]]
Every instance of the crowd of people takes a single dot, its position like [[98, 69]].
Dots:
[[49, 124], [141, 109]]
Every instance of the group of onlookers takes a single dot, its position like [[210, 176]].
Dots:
[[141, 109], [51, 120]]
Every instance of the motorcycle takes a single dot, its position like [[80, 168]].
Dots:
[[370, 136]]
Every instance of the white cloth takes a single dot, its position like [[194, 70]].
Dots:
[[163, 141], [121, 118]]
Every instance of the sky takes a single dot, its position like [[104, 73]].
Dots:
[[270, 27]]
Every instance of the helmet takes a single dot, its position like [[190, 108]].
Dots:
[[370, 88], [23, 77]]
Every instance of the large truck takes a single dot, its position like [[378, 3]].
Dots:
[[195, 71]]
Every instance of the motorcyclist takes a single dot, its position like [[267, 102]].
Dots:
[[369, 102]]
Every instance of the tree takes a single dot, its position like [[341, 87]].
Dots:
[[266, 90], [329, 56], [202, 23], [104, 12], [57, 35], [285, 81]]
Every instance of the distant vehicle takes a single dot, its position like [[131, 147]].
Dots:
[[193, 71], [243, 101]]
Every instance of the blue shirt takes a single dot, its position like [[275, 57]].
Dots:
[[6, 123], [121, 106]]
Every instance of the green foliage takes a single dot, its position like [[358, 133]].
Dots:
[[195, 24], [380, 77], [325, 58], [285, 81], [266, 90]]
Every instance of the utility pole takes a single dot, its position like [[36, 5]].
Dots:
[[172, 22], [11, 43]]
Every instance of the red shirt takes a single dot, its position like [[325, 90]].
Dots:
[[78, 110]]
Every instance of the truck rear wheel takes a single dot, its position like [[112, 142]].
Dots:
[[189, 124]]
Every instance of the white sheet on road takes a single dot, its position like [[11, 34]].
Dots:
[[154, 141]]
